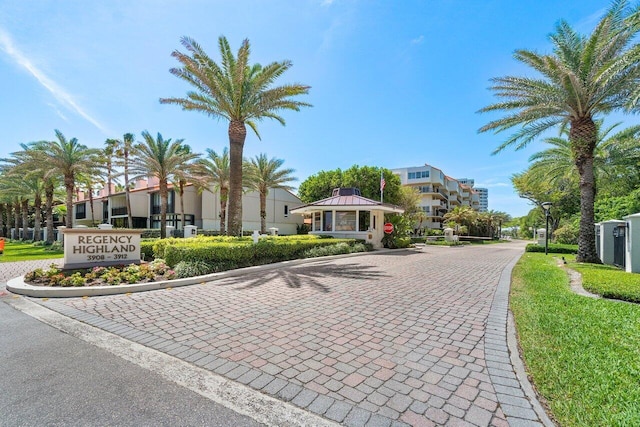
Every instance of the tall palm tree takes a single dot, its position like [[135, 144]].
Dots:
[[236, 91], [124, 149], [68, 158], [184, 173], [159, 158], [214, 170], [583, 78], [263, 174]]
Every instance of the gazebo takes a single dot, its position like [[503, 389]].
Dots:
[[349, 215]]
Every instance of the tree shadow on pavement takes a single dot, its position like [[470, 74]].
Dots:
[[310, 275]]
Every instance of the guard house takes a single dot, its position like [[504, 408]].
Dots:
[[347, 214]]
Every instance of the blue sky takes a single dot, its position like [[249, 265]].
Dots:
[[394, 83]]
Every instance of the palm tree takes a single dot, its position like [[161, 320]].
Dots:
[[238, 92], [614, 156], [214, 170], [124, 149], [583, 78], [159, 158], [463, 216], [184, 173], [68, 158], [263, 174]]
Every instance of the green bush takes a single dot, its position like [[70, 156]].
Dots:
[[338, 249], [193, 268], [242, 253], [567, 234], [555, 248]]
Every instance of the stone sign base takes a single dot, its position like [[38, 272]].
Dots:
[[90, 247]]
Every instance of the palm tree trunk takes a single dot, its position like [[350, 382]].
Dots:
[[37, 203], [237, 135], [25, 219], [583, 136], [10, 220], [163, 209], [127, 191], [181, 187], [48, 205], [16, 219], [69, 185], [263, 212], [2, 211], [224, 198], [93, 213]]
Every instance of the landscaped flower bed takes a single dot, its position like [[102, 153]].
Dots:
[[154, 271]]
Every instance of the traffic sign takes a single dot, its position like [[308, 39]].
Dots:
[[388, 228]]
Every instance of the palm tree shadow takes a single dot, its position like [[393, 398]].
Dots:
[[306, 275]]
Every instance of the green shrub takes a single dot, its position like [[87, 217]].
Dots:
[[193, 268], [567, 234], [242, 253], [555, 248], [146, 250]]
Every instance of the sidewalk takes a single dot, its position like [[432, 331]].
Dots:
[[389, 339]]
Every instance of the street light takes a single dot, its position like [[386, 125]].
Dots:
[[546, 206]]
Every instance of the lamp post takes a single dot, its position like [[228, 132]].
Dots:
[[546, 206]]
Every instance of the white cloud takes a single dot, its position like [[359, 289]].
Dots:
[[489, 184], [418, 40], [59, 93], [327, 2]]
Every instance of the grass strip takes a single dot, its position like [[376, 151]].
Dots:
[[609, 281], [20, 251], [583, 354]]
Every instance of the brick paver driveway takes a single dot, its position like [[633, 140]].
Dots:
[[391, 338]]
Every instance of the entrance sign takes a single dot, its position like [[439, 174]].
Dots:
[[388, 228], [89, 247]]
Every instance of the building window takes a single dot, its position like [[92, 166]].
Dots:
[[424, 189], [286, 211], [156, 202], [316, 221], [327, 224], [364, 220], [345, 221], [418, 175], [81, 211]]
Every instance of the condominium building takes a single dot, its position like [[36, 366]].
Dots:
[[439, 193], [201, 209], [482, 192]]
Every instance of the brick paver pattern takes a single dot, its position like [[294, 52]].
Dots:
[[393, 338]]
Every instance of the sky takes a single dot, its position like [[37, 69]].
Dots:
[[395, 83]]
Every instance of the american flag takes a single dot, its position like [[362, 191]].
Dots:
[[382, 182]]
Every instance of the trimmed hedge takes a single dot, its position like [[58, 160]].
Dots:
[[555, 248], [240, 253]]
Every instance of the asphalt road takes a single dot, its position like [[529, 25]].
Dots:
[[50, 378]]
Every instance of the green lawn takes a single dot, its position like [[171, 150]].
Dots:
[[609, 281], [18, 251], [582, 353]]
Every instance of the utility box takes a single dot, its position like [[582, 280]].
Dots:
[[632, 261], [169, 230], [542, 236], [606, 233], [190, 231], [105, 226], [274, 231]]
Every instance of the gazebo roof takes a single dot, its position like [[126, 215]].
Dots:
[[350, 201]]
